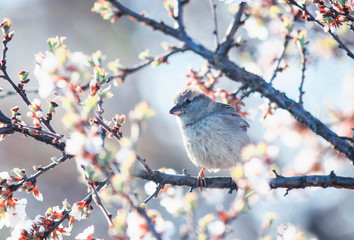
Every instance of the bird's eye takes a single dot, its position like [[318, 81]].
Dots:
[[188, 101]]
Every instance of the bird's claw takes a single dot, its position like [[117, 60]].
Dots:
[[201, 181]]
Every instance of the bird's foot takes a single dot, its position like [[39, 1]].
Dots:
[[201, 182]]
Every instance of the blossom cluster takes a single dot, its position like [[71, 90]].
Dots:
[[334, 15]]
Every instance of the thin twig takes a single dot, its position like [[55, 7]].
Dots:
[[6, 40], [154, 194], [303, 69], [16, 88], [213, 13], [48, 167], [54, 135], [141, 160], [285, 45], [161, 58], [87, 199], [98, 202], [334, 36], [10, 93], [178, 15], [17, 125], [231, 31], [143, 213], [40, 171], [53, 141]]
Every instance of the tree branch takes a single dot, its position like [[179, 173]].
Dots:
[[334, 36], [42, 137], [21, 93], [303, 69], [285, 45], [253, 81], [97, 200], [40, 171], [161, 178], [162, 27], [141, 160], [123, 10], [143, 213], [322, 181], [161, 58], [87, 199], [279, 181], [231, 31], [178, 15], [256, 83], [213, 13], [10, 93]]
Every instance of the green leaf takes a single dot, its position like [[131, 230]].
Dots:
[[54, 160]]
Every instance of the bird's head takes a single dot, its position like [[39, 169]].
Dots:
[[191, 104]]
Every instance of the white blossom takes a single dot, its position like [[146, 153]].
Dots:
[[78, 60], [173, 200], [4, 175], [87, 232], [216, 229], [16, 233], [94, 145], [136, 226], [14, 216], [76, 212], [257, 174], [44, 67], [165, 228], [75, 144]]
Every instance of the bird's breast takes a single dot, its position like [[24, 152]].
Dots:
[[211, 144]]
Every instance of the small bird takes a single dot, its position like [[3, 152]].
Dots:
[[213, 133]]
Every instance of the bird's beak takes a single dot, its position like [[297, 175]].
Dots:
[[176, 110]]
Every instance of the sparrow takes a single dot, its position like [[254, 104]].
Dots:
[[213, 133]]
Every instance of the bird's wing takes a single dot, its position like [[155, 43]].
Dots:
[[231, 116]]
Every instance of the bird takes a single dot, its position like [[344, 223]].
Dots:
[[213, 133]]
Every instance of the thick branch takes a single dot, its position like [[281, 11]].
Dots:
[[254, 82], [161, 26], [322, 181], [48, 139], [140, 18], [187, 180]]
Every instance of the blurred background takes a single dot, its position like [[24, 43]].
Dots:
[[321, 213]]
